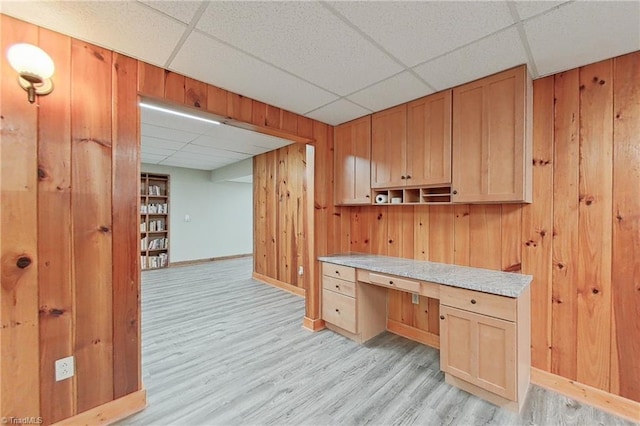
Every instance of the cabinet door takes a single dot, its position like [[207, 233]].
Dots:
[[352, 162], [429, 140], [388, 147], [491, 139], [479, 349]]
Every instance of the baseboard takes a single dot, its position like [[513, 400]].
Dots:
[[209, 259], [605, 401], [110, 412], [280, 284], [313, 324], [413, 333]]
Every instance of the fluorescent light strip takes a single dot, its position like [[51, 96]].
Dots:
[[178, 113]]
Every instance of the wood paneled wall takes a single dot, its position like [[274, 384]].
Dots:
[[69, 176], [580, 238], [70, 280], [279, 208]]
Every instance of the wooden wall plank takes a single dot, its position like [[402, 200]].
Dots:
[[379, 232], [289, 122], [127, 374], [461, 235], [485, 235], [239, 107], [217, 100], [594, 224], [260, 252], [273, 116], [20, 385], [537, 224], [565, 224], [259, 114], [195, 93], [626, 228], [272, 206], [394, 232], [150, 80], [421, 232], [308, 128], [441, 223], [91, 222], [283, 221], [57, 399], [511, 227], [174, 87]]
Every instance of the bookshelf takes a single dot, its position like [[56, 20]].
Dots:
[[154, 221]]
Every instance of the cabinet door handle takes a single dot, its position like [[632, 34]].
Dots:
[[337, 286], [402, 177], [455, 192], [390, 282], [338, 272], [367, 196], [338, 310], [441, 317], [408, 177], [473, 301]]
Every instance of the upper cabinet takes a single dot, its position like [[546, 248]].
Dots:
[[492, 139], [389, 147], [352, 159], [411, 143], [428, 153]]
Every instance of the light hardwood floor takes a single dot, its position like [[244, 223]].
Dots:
[[222, 348]]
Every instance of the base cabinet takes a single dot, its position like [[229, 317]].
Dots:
[[484, 354]]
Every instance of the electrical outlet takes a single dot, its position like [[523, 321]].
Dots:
[[65, 368], [301, 271], [415, 298]]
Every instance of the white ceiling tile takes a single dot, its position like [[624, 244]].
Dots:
[[182, 10], [151, 158], [415, 31], [211, 61], [146, 149], [112, 24], [338, 112], [166, 133], [583, 32], [485, 57], [151, 142], [189, 164], [303, 38], [214, 152], [527, 8], [393, 91]]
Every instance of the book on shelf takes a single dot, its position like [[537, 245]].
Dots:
[[154, 190], [144, 243], [158, 243], [143, 262], [143, 227]]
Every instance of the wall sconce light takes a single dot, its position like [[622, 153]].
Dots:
[[34, 68]]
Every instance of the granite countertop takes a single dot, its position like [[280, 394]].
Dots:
[[485, 280]]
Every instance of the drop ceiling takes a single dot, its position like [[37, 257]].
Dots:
[[336, 61], [177, 141]]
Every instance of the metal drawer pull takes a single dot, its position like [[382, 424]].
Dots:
[[338, 272], [473, 301], [441, 316], [338, 310], [390, 282], [337, 286]]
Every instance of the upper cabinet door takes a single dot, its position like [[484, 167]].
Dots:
[[492, 139], [429, 140], [388, 147], [352, 162]]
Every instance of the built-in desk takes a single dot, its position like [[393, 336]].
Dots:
[[485, 317]]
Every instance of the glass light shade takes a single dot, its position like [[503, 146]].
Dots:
[[30, 60]]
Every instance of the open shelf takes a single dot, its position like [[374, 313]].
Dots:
[[404, 196]]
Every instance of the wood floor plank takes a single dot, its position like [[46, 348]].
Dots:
[[238, 356]]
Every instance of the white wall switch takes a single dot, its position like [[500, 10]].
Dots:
[[65, 368]]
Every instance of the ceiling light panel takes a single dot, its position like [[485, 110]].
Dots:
[[393, 91], [112, 24], [302, 37], [208, 60], [415, 31], [583, 32], [488, 56]]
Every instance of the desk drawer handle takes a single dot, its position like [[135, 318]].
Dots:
[[441, 317], [338, 310], [337, 286], [473, 301], [338, 272], [390, 282]]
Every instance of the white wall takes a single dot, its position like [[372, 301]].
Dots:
[[221, 215]]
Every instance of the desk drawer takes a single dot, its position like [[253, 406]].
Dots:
[[338, 271], [475, 301], [348, 288], [339, 310], [392, 281]]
